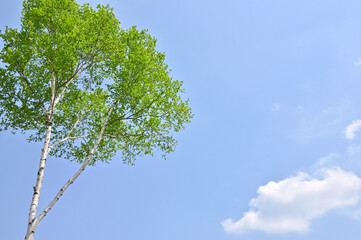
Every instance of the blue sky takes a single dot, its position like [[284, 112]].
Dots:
[[273, 151]]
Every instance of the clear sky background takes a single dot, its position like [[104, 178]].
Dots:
[[275, 89]]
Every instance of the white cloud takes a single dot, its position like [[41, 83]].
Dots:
[[358, 62], [275, 107], [289, 205], [312, 123], [327, 160], [352, 129], [354, 151]]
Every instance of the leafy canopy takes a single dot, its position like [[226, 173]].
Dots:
[[66, 67]]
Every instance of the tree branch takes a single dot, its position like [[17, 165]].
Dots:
[[136, 113], [121, 137], [66, 84], [22, 76], [79, 119], [65, 139], [23, 100], [53, 85], [36, 95], [81, 169]]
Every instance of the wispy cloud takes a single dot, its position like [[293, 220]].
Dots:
[[291, 204], [305, 123], [358, 62], [352, 129], [275, 107], [328, 160]]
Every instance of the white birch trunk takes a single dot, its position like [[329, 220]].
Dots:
[[34, 221], [37, 188], [81, 169]]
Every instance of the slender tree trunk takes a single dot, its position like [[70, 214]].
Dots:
[[81, 169], [32, 223]]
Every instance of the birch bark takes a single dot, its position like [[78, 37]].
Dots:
[[81, 169], [37, 188], [34, 221]]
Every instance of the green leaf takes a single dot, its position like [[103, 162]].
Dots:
[[93, 64]]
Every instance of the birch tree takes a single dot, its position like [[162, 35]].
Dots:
[[73, 79]]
